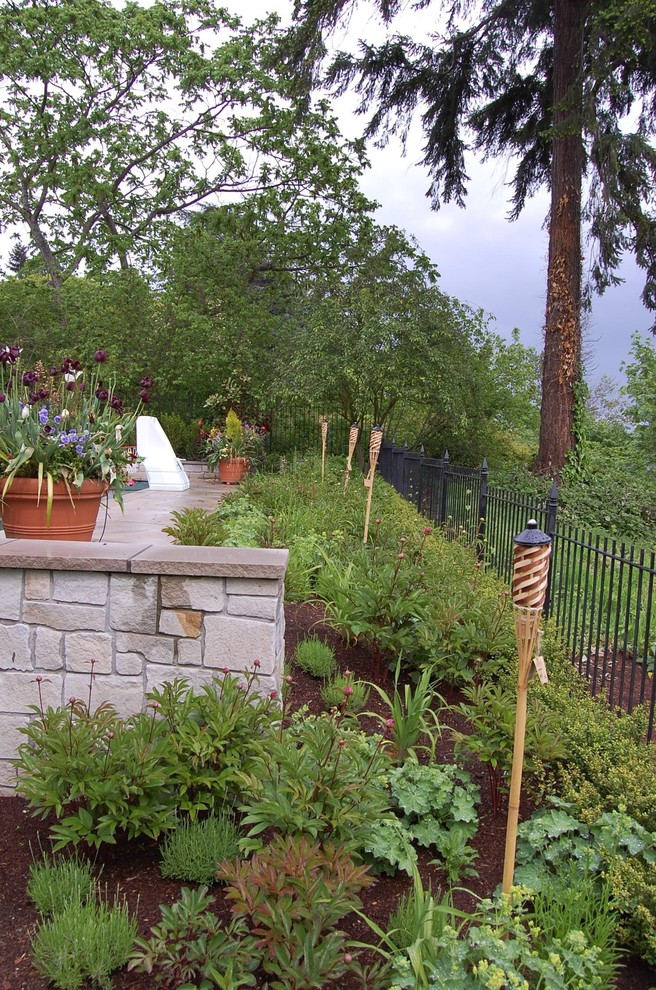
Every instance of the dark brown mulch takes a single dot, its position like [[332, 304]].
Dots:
[[134, 867]]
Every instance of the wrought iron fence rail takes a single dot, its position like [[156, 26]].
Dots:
[[601, 591]]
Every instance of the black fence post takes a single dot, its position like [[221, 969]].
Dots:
[[445, 487], [552, 510], [482, 513]]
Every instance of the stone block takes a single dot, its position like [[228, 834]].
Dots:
[[10, 737], [201, 594], [133, 603], [19, 690], [15, 653], [190, 651], [48, 644], [11, 589], [60, 615], [7, 777], [124, 693], [235, 642], [257, 606], [196, 676], [37, 585], [84, 587], [180, 622], [129, 663], [80, 648], [253, 586], [154, 649]]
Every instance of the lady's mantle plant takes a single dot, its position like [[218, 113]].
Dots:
[[62, 425]]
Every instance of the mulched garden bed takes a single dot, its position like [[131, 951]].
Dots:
[[134, 867]]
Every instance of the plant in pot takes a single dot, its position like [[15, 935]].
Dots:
[[63, 439], [233, 448]]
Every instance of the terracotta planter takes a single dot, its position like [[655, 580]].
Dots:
[[73, 516], [233, 470]]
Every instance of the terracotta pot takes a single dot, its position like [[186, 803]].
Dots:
[[73, 516], [233, 470]]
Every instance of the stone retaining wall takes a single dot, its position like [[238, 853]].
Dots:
[[143, 614]]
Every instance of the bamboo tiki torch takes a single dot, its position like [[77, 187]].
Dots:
[[324, 433], [375, 441], [530, 573], [353, 439]]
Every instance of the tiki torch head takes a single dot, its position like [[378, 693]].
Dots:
[[531, 567], [375, 442]]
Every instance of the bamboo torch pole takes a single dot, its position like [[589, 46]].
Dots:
[[353, 439], [324, 434], [375, 441], [530, 573]]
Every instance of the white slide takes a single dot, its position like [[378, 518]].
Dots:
[[164, 469]]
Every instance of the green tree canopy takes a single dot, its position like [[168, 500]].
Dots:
[[566, 88], [113, 120]]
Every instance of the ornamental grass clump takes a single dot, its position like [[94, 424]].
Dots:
[[60, 425]]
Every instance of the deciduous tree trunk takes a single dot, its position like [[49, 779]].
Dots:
[[562, 341]]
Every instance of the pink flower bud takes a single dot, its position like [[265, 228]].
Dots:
[[38, 678], [273, 695], [289, 679], [427, 531], [390, 723], [256, 664], [378, 521], [348, 690], [110, 735], [155, 704], [347, 673], [348, 958], [401, 556], [71, 700], [225, 670]]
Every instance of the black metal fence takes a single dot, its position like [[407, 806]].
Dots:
[[601, 591]]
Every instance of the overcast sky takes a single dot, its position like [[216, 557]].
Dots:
[[484, 259]]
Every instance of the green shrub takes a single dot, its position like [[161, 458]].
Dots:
[[53, 884], [319, 778], [196, 528], [193, 849], [315, 657], [292, 894], [184, 437], [84, 942]]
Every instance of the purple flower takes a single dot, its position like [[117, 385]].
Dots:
[[30, 377], [144, 395], [3, 397], [100, 356], [79, 448], [102, 394], [146, 382], [116, 404], [43, 416]]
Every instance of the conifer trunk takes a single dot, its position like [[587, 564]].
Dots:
[[562, 339]]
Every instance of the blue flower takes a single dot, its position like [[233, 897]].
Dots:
[[79, 448], [43, 416], [57, 419]]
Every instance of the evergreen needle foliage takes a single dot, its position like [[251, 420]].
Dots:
[[193, 849]]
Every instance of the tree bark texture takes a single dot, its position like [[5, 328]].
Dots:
[[562, 336]]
